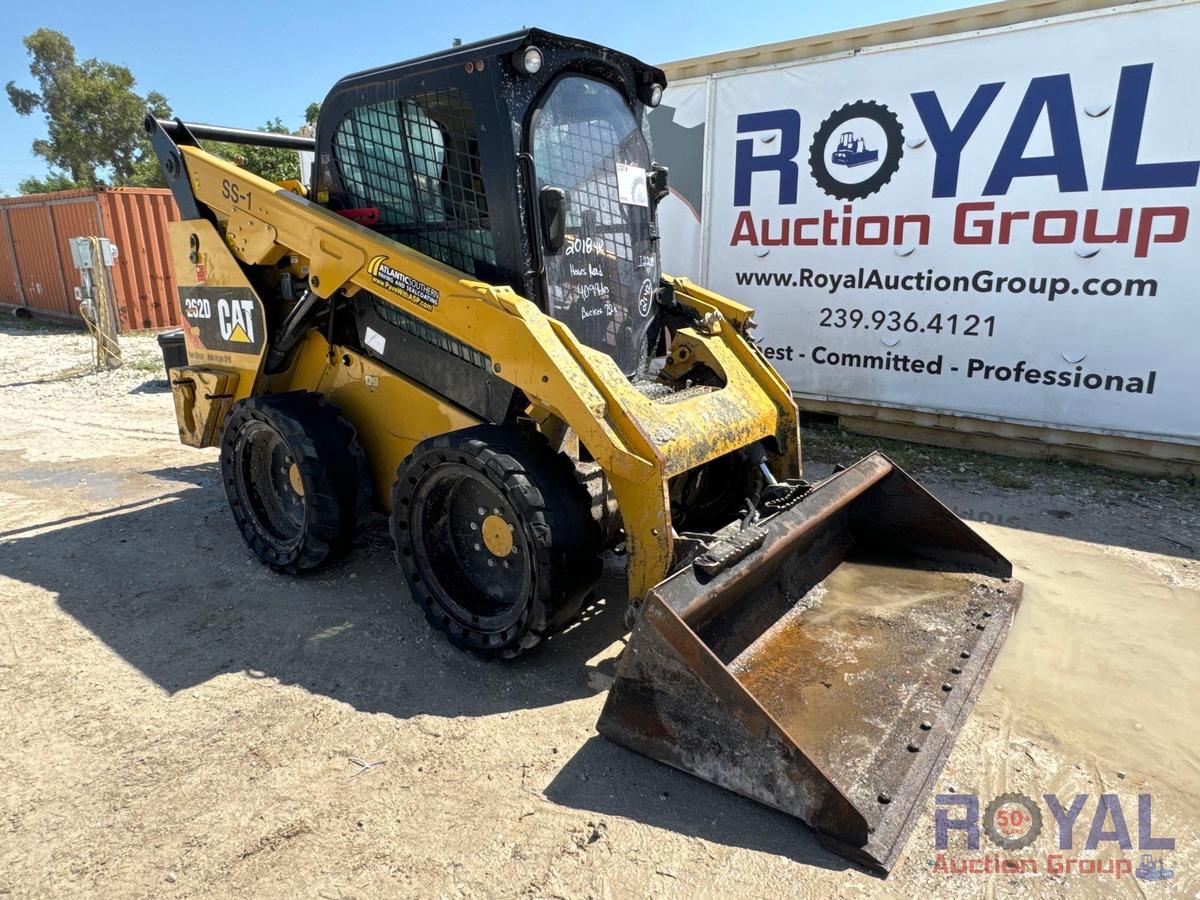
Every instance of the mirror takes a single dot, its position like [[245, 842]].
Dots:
[[552, 205], [656, 181]]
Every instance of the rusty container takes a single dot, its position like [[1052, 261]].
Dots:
[[35, 258], [828, 672]]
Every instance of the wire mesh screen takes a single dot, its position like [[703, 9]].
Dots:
[[583, 157], [602, 282], [416, 160]]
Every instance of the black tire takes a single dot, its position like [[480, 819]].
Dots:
[[709, 497], [274, 442], [488, 591]]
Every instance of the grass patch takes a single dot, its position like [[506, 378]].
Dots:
[[146, 364], [1006, 478], [831, 444]]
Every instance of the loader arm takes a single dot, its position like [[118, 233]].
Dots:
[[639, 442]]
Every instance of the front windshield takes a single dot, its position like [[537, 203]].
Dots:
[[601, 284]]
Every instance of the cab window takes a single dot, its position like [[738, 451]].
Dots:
[[416, 160]]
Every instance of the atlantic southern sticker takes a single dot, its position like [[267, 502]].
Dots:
[[400, 284]]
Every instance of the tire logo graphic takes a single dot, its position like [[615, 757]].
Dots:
[[1013, 821], [857, 150]]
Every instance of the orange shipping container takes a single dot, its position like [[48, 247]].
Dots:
[[35, 256]]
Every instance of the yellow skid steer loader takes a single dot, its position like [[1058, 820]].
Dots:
[[463, 323]]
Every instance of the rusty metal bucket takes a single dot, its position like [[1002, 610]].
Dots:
[[827, 673]]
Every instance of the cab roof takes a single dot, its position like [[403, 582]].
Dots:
[[494, 48]]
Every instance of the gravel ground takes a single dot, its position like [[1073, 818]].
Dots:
[[179, 721]]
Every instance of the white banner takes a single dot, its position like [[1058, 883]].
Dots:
[[997, 224]]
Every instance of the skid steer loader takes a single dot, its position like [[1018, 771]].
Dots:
[[462, 323]]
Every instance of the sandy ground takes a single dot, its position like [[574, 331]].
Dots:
[[179, 721]]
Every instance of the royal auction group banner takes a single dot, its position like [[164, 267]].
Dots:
[[997, 224]]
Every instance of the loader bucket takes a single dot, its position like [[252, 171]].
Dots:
[[828, 672]]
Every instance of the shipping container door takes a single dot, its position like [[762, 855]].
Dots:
[[136, 221], [10, 288], [38, 267]]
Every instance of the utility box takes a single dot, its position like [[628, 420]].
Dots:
[[84, 261], [93, 258], [81, 252]]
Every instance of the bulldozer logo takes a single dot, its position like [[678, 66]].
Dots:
[[403, 285], [862, 143]]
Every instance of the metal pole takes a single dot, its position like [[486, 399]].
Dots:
[[178, 129]]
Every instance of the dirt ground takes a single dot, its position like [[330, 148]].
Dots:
[[178, 721]]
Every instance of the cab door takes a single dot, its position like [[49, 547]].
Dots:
[[598, 241]]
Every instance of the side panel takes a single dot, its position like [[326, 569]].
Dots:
[[223, 316], [962, 290], [390, 413], [431, 357]]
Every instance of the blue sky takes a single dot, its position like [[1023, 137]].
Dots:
[[243, 63]]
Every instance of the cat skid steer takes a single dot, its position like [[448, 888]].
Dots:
[[463, 324]]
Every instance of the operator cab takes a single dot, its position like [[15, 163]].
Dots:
[[523, 160]]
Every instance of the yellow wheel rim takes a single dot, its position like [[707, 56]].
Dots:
[[497, 536], [296, 481]]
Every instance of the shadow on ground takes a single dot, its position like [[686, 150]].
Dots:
[[168, 584], [13, 324], [610, 780], [152, 386]]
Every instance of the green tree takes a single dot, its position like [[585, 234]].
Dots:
[[52, 182], [94, 123], [93, 114], [146, 171], [270, 163], [311, 112]]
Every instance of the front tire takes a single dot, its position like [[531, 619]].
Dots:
[[296, 478], [495, 537]]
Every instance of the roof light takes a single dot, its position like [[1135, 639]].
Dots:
[[650, 93], [528, 61]]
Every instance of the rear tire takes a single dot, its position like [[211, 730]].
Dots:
[[495, 537], [296, 478]]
